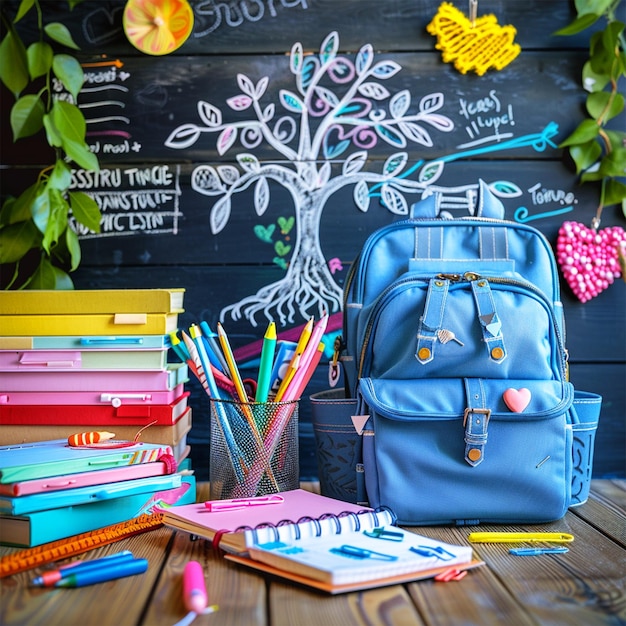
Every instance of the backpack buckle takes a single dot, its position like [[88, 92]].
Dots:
[[475, 423]]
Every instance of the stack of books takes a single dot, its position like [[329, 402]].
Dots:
[[89, 361], [92, 360], [50, 490]]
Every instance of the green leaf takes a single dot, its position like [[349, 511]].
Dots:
[[70, 126], [68, 70], [73, 246], [6, 210], [60, 33], [61, 176], [40, 209], [579, 24], [59, 209], [13, 63], [614, 192], [80, 153], [604, 106], [85, 210], [585, 155], [592, 81], [69, 121], [614, 163], [592, 6], [21, 211], [25, 7], [47, 276], [39, 56], [27, 116], [16, 240], [587, 130], [52, 134]]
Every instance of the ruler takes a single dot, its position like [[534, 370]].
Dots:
[[65, 548]]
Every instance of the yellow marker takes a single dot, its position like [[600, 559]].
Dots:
[[498, 537], [293, 367]]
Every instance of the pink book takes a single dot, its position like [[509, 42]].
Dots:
[[95, 380], [165, 465], [111, 398], [293, 506]]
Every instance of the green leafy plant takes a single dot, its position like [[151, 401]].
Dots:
[[37, 245], [598, 152]]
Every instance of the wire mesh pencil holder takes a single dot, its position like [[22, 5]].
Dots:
[[254, 448]]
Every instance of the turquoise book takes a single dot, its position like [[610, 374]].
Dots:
[[22, 505], [42, 527]]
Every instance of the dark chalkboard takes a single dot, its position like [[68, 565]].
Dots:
[[178, 148]]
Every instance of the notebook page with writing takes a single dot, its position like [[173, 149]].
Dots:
[[354, 557], [297, 504]]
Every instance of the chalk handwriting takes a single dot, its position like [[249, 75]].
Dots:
[[210, 15], [132, 200], [487, 119]]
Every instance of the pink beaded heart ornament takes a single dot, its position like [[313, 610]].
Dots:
[[589, 259]]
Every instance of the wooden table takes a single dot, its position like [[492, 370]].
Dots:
[[585, 586]]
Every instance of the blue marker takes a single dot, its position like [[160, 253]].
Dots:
[[48, 579], [104, 573]]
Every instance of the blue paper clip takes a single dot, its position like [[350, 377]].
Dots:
[[439, 552], [361, 553], [383, 533]]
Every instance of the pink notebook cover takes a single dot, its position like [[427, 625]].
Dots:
[[86, 479], [94, 380], [114, 399], [298, 503]]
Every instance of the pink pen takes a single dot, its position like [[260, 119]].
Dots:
[[194, 589]]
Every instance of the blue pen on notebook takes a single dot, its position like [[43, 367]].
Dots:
[[104, 573]]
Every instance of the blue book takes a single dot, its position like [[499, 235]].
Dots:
[[44, 459], [45, 526], [20, 505]]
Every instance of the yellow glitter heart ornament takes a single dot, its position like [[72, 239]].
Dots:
[[473, 45], [157, 27]]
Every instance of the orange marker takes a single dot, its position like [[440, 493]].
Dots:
[[84, 439]]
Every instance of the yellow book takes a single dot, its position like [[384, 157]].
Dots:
[[46, 302], [96, 324]]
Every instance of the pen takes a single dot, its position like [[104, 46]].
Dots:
[[291, 393], [47, 579], [267, 360], [210, 339], [242, 503], [232, 366], [104, 573], [515, 537], [210, 386], [538, 551], [245, 407], [291, 371], [178, 347]]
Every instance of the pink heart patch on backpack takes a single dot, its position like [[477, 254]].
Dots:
[[516, 399]]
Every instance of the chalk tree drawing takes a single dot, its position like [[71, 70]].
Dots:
[[340, 105]]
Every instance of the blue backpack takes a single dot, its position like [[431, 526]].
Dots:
[[455, 350]]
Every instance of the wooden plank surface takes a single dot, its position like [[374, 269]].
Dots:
[[584, 586]]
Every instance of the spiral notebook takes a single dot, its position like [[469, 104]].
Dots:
[[229, 525], [321, 542]]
